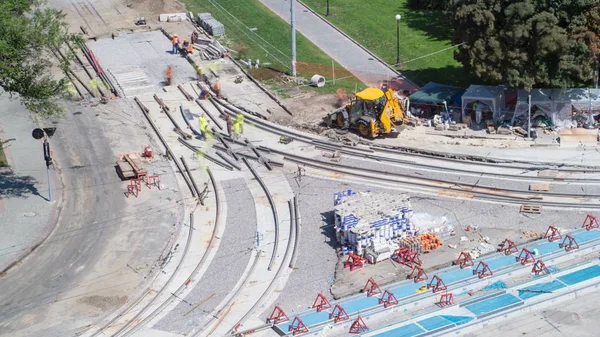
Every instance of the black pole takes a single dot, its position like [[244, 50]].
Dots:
[[327, 14], [397, 42]]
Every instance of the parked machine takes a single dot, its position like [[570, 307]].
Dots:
[[371, 112]]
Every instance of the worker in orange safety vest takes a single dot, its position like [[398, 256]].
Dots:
[[175, 42], [190, 49]]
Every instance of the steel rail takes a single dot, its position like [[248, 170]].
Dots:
[[162, 306], [273, 209]]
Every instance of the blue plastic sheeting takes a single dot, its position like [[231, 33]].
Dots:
[[362, 303], [407, 290], [580, 275], [308, 319], [492, 304], [457, 275], [403, 331], [501, 262], [539, 289], [458, 320], [496, 285], [434, 323]]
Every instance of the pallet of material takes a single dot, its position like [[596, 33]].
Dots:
[[125, 170], [533, 209], [130, 165]]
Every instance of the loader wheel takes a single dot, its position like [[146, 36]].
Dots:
[[364, 128]]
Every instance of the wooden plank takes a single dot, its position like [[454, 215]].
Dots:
[[539, 187], [125, 169], [548, 173], [135, 162], [533, 209]]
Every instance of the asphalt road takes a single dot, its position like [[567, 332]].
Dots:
[[103, 247]]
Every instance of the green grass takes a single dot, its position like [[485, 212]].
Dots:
[[262, 34], [372, 23], [3, 161]]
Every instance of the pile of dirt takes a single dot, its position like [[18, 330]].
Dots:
[[156, 7]]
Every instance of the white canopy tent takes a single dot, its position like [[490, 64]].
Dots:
[[492, 96], [586, 99], [540, 98]]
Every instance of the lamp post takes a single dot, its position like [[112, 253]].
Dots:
[[398, 17], [327, 14], [529, 119]]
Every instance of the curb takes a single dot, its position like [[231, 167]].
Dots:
[[358, 44]]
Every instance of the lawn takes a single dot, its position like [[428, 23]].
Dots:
[[257, 33], [3, 161], [372, 24]]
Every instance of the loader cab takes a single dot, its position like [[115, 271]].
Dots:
[[369, 102]]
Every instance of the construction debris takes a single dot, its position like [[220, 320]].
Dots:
[[374, 225], [209, 49]]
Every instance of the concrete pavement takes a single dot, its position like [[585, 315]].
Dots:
[[26, 215], [355, 58]]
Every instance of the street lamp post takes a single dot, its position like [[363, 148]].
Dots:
[[398, 17], [327, 14], [529, 118]]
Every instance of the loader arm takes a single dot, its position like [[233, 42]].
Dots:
[[393, 105]]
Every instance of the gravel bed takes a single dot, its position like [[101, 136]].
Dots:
[[317, 257], [227, 266]]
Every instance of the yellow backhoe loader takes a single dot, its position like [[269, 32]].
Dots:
[[371, 112]]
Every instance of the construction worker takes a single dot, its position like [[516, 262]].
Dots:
[[229, 125], [175, 42], [190, 48], [70, 88], [238, 126], [169, 74], [217, 88], [194, 37], [203, 125]]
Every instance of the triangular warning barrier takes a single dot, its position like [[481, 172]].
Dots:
[[354, 262], [358, 326], [446, 299], [437, 284], [552, 234], [321, 303], [297, 327], [414, 258], [371, 288], [525, 257], [569, 243], [539, 268], [338, 314], [483, 270], [508, 247], [278, 316], [464, 260], [418, 274], [400, 256], [590, 222], [388, 299]]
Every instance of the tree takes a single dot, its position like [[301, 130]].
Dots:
[[28, 34], [527, 43]]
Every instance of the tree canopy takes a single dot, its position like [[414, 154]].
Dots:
[[28, 34], [527, 43]]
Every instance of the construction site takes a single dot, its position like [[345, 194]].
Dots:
[[236, 211]]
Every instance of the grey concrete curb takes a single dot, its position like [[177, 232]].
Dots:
[[358, 44]]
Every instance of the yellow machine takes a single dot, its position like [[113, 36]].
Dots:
[[371, 112]]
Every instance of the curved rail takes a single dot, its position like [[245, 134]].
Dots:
[[405, 151], [200, 264], [273, 209], [291, 243], [489, 194]]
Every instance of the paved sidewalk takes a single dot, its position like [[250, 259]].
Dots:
[[26, 216], [345, 51]]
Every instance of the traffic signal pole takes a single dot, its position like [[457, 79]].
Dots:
[[48, 159]]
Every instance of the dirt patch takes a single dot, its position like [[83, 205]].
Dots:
[[265, 74], [103, 303], [156, 7]]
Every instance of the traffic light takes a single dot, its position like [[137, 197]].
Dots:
[[47, 155]]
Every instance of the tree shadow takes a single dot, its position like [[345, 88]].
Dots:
[[14, 186], [328, 228], [436, 24], [448, 75]]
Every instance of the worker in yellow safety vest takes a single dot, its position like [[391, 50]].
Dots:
[[70, 88], [238, 126], [203, 124]]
